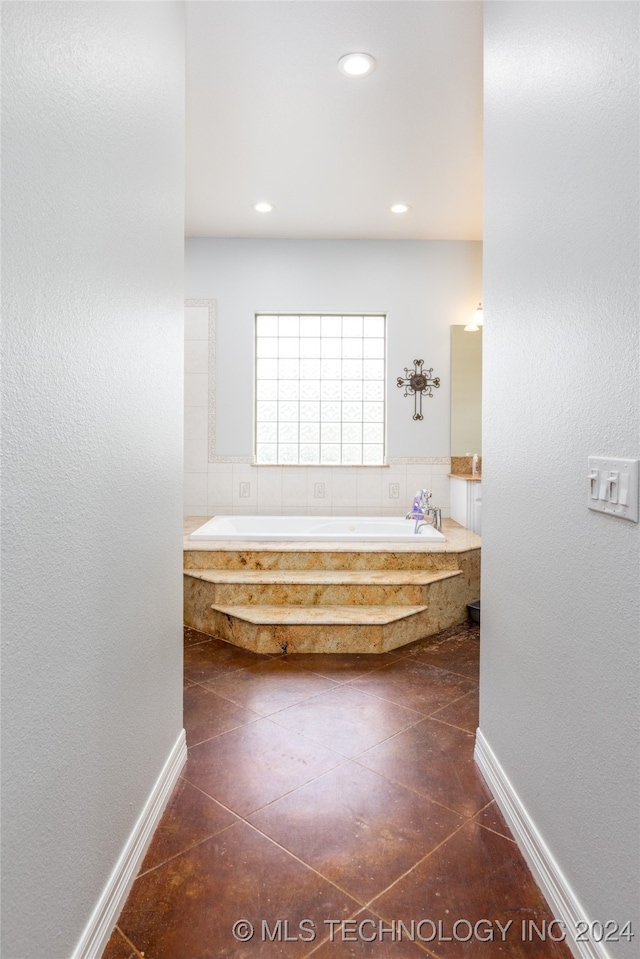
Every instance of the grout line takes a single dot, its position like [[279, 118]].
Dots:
[[199, 843], [297, 858], [452, 725], [129, 942], [447, 669], [457, 699], [495, 831], [188, 848], [368, 905], [412, 789], [342, 759], [281, 708], [201, 790], [340, 682], [327, 938], [317, 742], [401, 705], [250, 722]]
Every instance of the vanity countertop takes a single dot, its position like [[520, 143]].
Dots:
[[467, 476]]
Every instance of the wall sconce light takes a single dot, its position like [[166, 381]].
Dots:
[[476, 320]]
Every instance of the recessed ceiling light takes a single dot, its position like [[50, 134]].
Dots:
[[356, 64], [399, 208], [263, 207]]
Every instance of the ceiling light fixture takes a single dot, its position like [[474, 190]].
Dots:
[[263, 207], [356, 64], [399, 208]]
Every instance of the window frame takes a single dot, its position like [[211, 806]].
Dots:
[[378, 314]]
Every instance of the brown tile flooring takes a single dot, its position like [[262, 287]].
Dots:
[[332, 787]]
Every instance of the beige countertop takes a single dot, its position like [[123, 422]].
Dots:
[[466, 476]]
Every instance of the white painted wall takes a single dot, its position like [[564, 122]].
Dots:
[[92, 174], [560, 597], [423, 286]]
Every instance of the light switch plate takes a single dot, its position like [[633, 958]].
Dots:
[[612, 486]]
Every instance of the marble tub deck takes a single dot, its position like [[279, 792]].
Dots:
[[458, 539], [361, 597]]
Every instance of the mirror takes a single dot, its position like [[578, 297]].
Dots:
[[466, 392]]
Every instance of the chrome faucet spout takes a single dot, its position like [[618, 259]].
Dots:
[[429, 516], [423, 514]]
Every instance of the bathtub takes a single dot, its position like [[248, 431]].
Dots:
[[314, 529]]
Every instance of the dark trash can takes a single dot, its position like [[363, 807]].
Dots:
[[474, 611]]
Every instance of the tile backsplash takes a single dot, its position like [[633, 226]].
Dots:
[[462, 465], [223, 488]]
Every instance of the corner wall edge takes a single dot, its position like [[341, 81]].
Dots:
[[546, 871], [105, 915]]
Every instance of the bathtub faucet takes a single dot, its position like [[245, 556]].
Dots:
[[420, 503], [424, 514]]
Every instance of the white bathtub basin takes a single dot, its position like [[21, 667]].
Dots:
[[314, 529]]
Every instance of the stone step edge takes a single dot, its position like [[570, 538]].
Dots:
[[288, 577], [319, 615]]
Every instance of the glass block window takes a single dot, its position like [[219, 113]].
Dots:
[[320, 389]]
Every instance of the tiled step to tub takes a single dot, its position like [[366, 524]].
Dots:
[[335, 629], [318, 587], [323, 610]]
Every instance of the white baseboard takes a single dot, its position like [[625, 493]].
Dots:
[[554, 886], [100, 926]]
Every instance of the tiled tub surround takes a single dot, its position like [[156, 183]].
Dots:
[[319, 597], [242, 489]]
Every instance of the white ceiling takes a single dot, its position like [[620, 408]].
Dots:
[[270, 117]]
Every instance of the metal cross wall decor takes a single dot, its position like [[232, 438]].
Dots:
[[417, 384]]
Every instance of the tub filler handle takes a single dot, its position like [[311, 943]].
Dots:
[[423, 514]]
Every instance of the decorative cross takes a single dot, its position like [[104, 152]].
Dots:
[[417, 384]]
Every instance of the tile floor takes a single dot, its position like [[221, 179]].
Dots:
[[326, 800]]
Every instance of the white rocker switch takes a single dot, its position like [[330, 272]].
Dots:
[[623, 497], [604, 486], [613, 486]]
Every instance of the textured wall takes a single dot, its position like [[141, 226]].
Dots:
[[559, 672], [92, 174]]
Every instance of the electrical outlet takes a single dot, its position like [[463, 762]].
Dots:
[[318, 490], [244, 489], [394, 490]]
